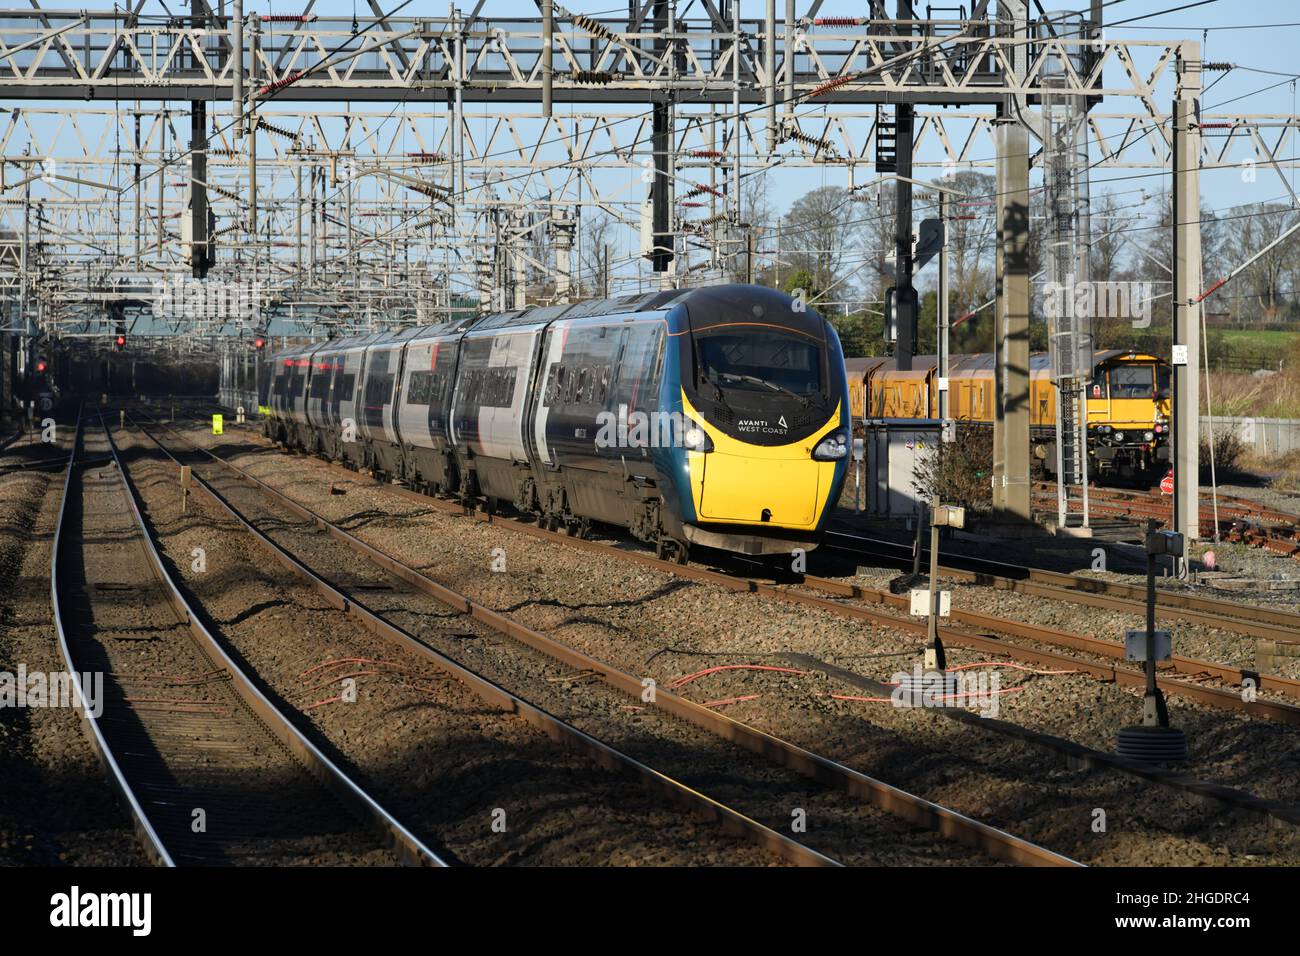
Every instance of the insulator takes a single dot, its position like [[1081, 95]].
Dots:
[[691, 205], [223, 192], [281, 83], [433, 192], [813, 141], [596, 77], [427, 157], [713, 220], [1220, 67], [833, 84], [277, 130], [594, 27], [287, 18], [222, 152], [700, 190], [838, 22], [706, 154]]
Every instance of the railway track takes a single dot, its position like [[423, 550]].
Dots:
[[983, 632], [1269, 622], [210, 772], [501, 775], [986, 632], [1246, 522], [1232, 506], [8, 438], [400, 581]]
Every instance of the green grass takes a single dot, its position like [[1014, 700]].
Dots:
[[1257, 338]]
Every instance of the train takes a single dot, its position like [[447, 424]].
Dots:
[[715, 417], [1127, 401]]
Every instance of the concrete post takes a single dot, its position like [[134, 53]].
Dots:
[[1011, 345], [1187, 310]]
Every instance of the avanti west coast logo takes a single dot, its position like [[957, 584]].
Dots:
[[762, 426], [77, 909], [26, 688]]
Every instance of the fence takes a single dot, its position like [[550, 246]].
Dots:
[[1269, 437]]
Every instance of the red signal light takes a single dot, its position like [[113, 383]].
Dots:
[[259, 343], [40, 367], [120, 341]]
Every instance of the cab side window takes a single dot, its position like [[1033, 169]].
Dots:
[[1097, 387]]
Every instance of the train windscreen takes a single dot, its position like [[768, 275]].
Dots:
[[1132, 381], [750, 358]]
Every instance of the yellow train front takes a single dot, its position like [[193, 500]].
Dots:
[[1127, 404], [760, 382]]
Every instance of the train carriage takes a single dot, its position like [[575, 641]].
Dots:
[[289, 394], [1127, 401], [423, 414], [715, 417]]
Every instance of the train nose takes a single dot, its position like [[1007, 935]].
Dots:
[[744, 488]]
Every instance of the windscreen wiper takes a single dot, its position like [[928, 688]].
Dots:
[[755, 380]]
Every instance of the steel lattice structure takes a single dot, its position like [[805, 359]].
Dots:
[[217, 148]]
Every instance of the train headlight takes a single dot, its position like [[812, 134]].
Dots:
[[1118, 436], [833, 447], [695, 438], [1104, 429], [1149, 436]]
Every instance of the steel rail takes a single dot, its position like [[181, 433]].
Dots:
[[149, 838], [1051, 635], [554, 727], [408, 847], [1231, 505], [916, 810], [1272, 623], [1208, 696], [1075, 754]]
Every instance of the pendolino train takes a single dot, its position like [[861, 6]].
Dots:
[[715, 416], [1127, 404]]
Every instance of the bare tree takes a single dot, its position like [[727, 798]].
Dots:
[[972, 234], [597, 238], [822, 234], [1267, 279], [1108, 250], [757, 216]]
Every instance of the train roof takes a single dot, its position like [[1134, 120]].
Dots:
[[724, 301], [973, 362], [589, 308]]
